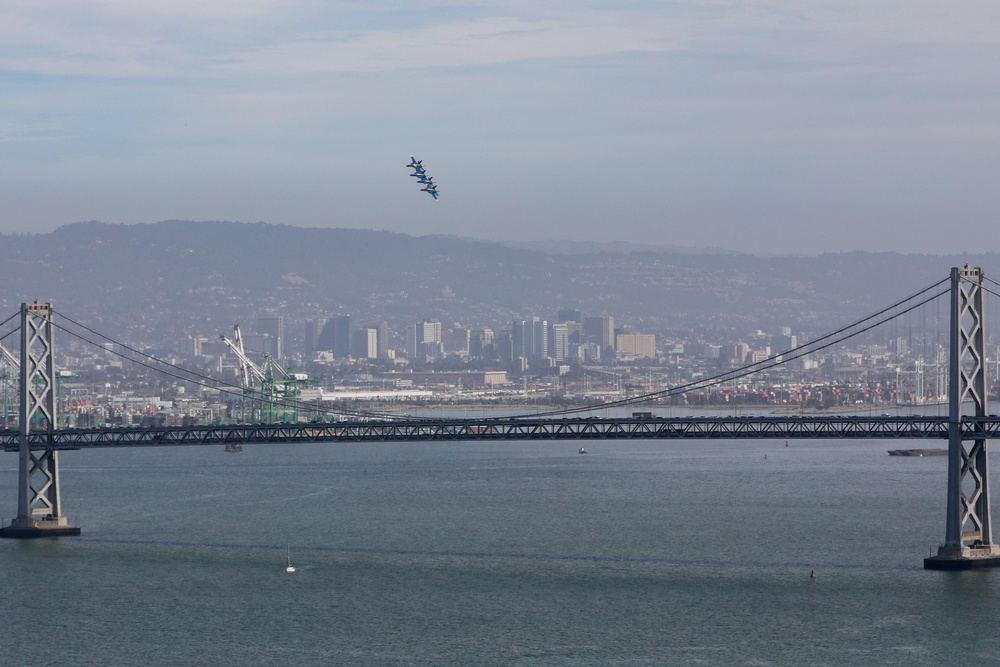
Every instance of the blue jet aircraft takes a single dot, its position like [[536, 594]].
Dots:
[[422, 177]]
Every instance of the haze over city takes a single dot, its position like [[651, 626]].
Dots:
[[767, 127]]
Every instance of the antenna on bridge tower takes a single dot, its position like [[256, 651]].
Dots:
[[968, 533], [38, 511]]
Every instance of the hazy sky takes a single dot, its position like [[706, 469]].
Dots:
[[766, 126]]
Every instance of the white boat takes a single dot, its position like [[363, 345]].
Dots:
[[583, 451], [288, 560]]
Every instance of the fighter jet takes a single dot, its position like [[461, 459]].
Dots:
[[423, 177]]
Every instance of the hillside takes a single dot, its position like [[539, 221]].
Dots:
[[179, 278]]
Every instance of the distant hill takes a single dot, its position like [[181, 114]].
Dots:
[[174, 278], [555, 247]]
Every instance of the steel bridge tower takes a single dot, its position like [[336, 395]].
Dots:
[[968, 541], [38, 508]]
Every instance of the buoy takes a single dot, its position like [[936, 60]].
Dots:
[[812, 574]]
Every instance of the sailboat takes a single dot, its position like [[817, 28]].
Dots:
[[288, 560]]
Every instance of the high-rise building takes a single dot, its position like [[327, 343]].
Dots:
[[600, 330], [481, 344], [569, 315], [311, 336], [341, 344], [383, 338], [539, 339], [559, 341], [519, 338], [423, 340], [458, 340], [530, 339], [364, 343], [257, 344], [736, 353], [274, 328]]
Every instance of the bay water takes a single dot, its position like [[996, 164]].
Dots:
[[521, 553]]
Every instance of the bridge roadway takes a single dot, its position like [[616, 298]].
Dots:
[[509, 428]]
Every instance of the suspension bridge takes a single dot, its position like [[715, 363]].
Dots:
[[968, 532]]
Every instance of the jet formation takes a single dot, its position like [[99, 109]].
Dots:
[[423, 178]]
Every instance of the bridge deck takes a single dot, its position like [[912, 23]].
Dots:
[[587, 428]]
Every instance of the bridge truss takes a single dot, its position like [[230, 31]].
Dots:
[[968, 539], [492, 429]]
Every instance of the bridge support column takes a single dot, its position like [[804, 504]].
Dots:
[[968, 540], [38, 508]]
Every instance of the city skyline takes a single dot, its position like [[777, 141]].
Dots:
[[772, 127]]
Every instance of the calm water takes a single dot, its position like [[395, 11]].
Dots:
[[637, 553]]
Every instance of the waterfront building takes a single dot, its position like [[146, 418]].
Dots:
[[464, 379]]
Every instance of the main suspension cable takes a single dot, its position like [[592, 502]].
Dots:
[[206, 381], [756, 367]]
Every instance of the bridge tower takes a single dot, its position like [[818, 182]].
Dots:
[[968, 532], [38, 506]]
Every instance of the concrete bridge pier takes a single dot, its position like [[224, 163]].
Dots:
[[968, 532], [38, 507]]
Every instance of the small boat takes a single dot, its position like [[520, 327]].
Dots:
[[234, 446], [288, 560], [583, 451]]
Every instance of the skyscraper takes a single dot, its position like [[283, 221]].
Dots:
[[559, 341], [569, 315], [365, 343], [311, 336], [600, 330], [274, 328], [530, 339], [341, 336], [423, 340]]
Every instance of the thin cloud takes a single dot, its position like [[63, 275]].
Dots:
[[151, 42]]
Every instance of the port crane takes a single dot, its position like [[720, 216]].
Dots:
[[10, 381], [270, 392], [10, 372]]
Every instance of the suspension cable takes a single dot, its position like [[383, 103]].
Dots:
[[764, 364], [207, 381], [756, 367], [9, 319]]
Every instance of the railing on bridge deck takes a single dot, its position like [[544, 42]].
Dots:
[[586, 428]]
